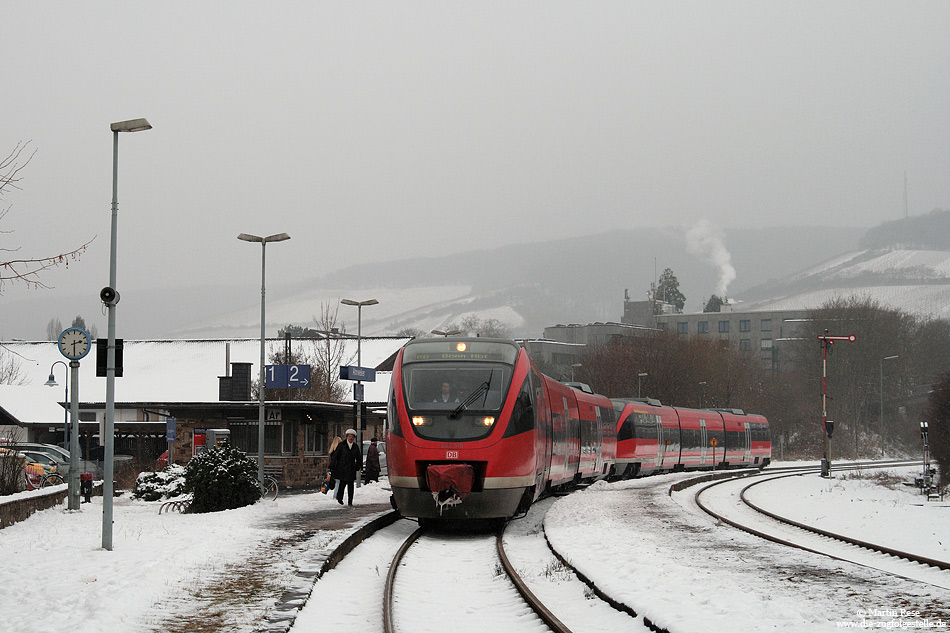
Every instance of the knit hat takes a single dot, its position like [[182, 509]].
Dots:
[[350, 432]]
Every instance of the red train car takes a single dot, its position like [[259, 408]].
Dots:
[[475, 431], [647, 437], [652, 438]]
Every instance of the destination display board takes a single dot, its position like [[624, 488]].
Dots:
[[470, 350]]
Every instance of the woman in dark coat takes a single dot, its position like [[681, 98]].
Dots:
[[345, 464], [371, 471]]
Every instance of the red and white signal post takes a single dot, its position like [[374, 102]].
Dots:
[[827, 340]]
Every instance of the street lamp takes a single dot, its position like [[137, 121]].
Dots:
[[449, 333], [573, 366], [702, 392], [882, 400], [279, 237], [52, 383], [111, 298], [359, 363], [640, 375]]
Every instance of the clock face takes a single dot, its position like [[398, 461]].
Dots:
[[74, 343]]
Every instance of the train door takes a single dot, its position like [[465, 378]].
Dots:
[[556, 441], [703, 441], [598, 442], [543, 429], [572, 437], [748, 443], [659, 440]]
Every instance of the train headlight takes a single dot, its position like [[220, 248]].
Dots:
[[418, 420], [488, 421]]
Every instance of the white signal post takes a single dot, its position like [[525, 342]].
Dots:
[[827, 341]]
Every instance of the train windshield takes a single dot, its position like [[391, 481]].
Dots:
[[455, 391]]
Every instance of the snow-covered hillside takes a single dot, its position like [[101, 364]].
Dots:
[[914, 281]]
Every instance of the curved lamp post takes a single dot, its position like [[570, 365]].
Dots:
[[52, 383]]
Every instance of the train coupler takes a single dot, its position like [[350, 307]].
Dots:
[[449, 483]]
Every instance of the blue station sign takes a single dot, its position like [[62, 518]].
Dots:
[[286, 376], [352, 372]]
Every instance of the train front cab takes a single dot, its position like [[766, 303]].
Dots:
[[647, 437], [489, 425]]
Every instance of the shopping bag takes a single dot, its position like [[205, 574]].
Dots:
[[327, 484]]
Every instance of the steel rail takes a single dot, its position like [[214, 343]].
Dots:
[[838, 537], [388, 623], [536, 605]]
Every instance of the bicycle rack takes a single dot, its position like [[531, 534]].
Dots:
[[179, 505]]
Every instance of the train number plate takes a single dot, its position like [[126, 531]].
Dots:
[[451, 454]]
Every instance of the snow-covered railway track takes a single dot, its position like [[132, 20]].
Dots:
[[440, 582], [728, 501]]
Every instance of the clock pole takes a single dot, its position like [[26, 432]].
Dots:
[[73, 493]]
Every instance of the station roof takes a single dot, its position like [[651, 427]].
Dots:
[[166, 371]]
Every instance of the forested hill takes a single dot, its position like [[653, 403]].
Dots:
[[596, 269], [923, 232]]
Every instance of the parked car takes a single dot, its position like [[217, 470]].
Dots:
[[30, 465], [50, 463], [383, 471], [61, 456]]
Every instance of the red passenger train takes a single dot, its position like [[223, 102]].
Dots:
[[475, 431], [652, 438]]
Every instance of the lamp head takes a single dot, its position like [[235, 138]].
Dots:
[[133, 125]]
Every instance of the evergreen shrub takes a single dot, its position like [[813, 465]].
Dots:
[[164, 484], [221, 478]]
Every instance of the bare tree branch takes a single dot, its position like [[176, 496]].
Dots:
[[26, 269]]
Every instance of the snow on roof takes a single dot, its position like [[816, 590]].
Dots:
[[33, 403], [163, 371]]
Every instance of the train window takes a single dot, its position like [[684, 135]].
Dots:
[[392, 413], [522, 414], [455, 401], [445, 387]]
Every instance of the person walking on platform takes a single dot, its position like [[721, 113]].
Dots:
[[345, 464], [371, 470]]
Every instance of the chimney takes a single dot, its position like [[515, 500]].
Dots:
[[240, 381], [237, 386]]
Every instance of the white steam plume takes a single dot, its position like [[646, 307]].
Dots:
[[705, 239]]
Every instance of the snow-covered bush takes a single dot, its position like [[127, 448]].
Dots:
[[220, 479], [164, 484]]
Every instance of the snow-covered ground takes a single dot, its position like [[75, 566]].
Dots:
[[646, 548]]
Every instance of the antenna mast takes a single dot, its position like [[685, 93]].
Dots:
[[905, 194]]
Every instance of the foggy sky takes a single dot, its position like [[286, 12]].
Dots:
[[375, 131]]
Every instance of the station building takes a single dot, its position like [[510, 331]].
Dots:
[[197, 385]]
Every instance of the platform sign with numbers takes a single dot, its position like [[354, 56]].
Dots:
[[287, 376]]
